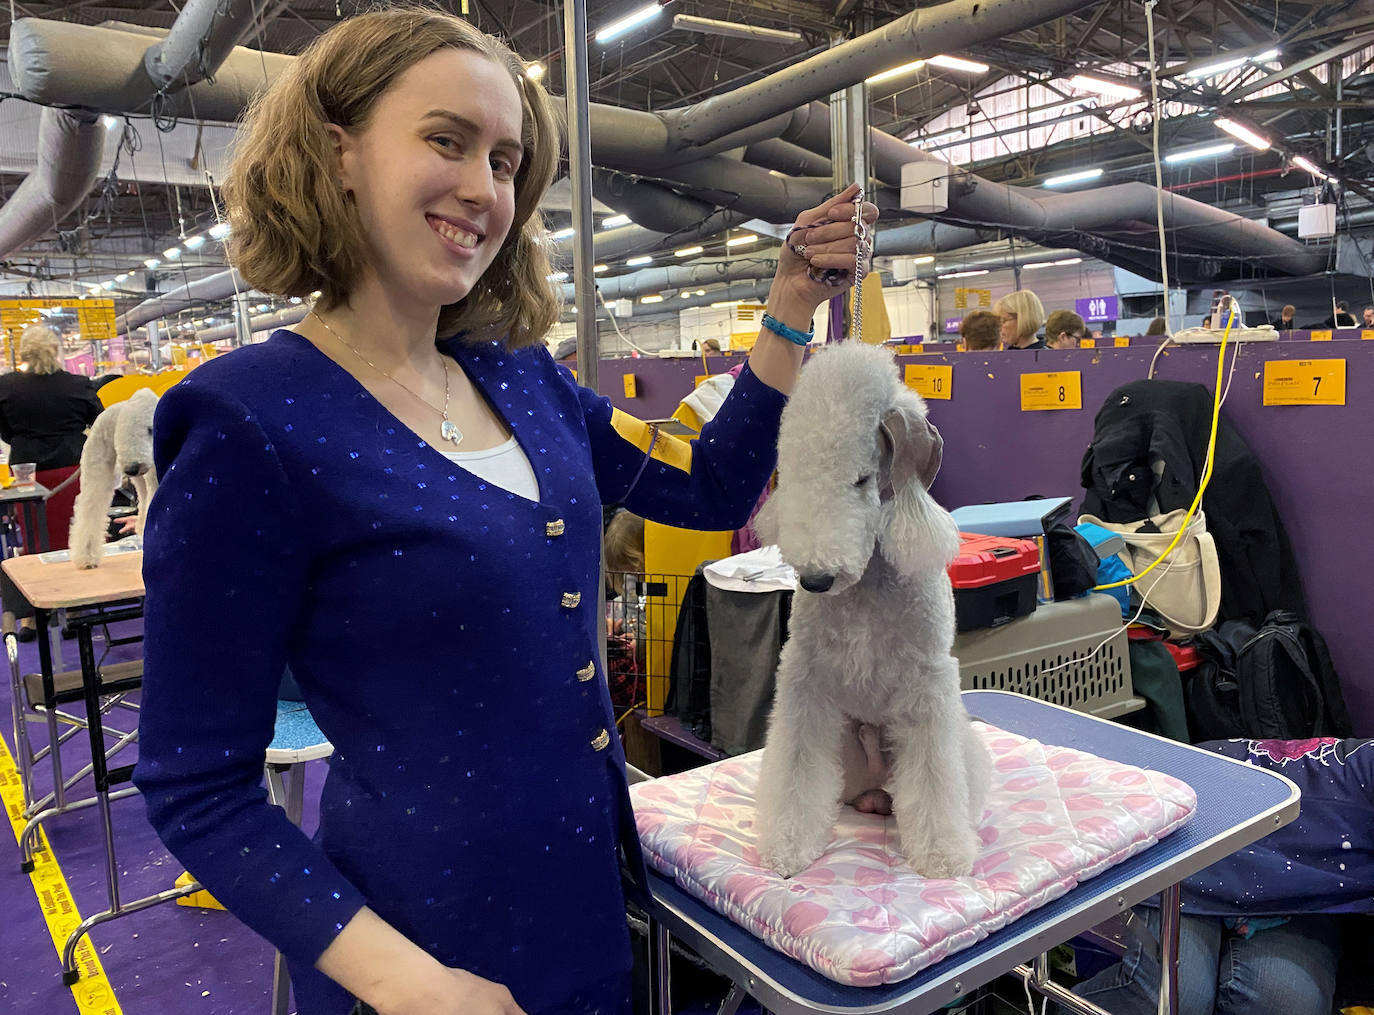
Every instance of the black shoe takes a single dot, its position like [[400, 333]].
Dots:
[[28, 634]]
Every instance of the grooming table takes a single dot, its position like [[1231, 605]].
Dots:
[[1236, 805]]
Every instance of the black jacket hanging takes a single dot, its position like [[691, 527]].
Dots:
[[1150, 438]]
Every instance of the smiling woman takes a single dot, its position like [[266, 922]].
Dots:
[[400, 501]]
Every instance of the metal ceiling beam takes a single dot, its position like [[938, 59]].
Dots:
[[1305, 64]]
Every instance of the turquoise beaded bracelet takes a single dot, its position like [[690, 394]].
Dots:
[[783, 331]]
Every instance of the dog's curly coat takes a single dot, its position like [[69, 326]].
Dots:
[[120, 444], [872, 627]]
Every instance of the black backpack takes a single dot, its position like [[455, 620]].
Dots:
[[1276, 683]]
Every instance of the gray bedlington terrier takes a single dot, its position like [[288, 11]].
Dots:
[[867, 692], [120, 444]]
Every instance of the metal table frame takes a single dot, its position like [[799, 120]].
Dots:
[[1237, 804], [30, 500]]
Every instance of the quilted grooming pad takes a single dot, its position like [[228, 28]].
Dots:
[[859, 915]]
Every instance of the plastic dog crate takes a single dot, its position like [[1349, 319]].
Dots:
[[1053, 654]]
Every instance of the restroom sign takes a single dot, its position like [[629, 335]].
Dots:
[[1097, 308]]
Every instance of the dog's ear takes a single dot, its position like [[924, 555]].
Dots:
[[765, 523], [920, 534], [911, 450]]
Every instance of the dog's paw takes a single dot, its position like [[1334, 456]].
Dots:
[[783, 861], [946, 859]]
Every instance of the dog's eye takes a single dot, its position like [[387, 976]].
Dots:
[[864, 480]]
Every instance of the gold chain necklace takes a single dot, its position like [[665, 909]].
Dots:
[[448, 430]]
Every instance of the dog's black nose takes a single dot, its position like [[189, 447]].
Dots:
[[817, 582]]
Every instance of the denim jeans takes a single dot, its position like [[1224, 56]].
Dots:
[[1285, 970]]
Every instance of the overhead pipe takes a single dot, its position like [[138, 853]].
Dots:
[[925, 32], [71, 146], [219, 286], [683, 276], [756, 289], [613, 244], [649, 205], [60, 63], [202, 37], [282, 318], [786, 158]]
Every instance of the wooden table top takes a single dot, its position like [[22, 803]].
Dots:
[[63, 585]]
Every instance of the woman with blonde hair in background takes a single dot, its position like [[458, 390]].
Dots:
[[413, 441], [1021, 315]]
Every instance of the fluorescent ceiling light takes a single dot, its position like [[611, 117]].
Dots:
[[739, 241], [1213, 69], [558, 276], [1244, 133], [1066, 261], [1114, 89], [563, 234], [534, 71], [121, 278], [958, 63], [171, 253], [1266, 57], [1067, 178], [1225, 148], [727, 303], [295, 299], [734, 29], [219, 230], [688, 251], [701, 292], [599, 268], [615, 220], [194, 242], [893, 72], [655, 298], [1037, 264], [963, 274], [110, 122], [1302, 162], [686, 294], [260, 308], [108, 284], [641, 259], [152, 262], [619, 28]]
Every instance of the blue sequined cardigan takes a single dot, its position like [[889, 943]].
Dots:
[[444, 633]]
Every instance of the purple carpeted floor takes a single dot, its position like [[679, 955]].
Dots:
[[165, 959]]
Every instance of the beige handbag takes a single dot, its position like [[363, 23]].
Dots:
[[1186, 588]]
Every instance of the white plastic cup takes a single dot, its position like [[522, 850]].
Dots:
[[24, 473]]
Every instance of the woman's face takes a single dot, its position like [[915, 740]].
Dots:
[[1008, 329], [433, 175]]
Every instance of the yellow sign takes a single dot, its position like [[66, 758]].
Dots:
[[907, 350], [1121, 342], [629, 380], [981, 298], [1061, 389], [699, 379], [95, 318], [1367, 335], [1304, 382], [930, 381], [1087, 343], [1321, 336]]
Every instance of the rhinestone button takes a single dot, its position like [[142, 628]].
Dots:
[[587, 672], [554, 528], [571, 599], [601, 741]]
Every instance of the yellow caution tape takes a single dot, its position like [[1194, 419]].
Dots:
[[92, 993]]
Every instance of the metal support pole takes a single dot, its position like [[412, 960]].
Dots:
[[154, 345], [575, 87], [1169, 920], [849, 137], [243, 331]]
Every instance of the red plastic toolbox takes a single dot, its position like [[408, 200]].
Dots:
[[994, 579]]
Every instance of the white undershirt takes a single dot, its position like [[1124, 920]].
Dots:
[[504, 465]]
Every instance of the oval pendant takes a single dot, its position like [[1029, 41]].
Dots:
[[449, 431]]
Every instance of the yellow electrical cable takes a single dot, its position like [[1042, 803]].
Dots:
[[1206, 470]]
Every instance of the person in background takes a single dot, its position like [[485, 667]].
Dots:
[[711, 347], [1368, 317], [44, 413], [412, 437], [1020, 315], [1285, 322], [1159, 326], [1207, 321], [1064, 329], [1340, 318], [980, 330]]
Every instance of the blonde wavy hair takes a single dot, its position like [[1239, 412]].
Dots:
[[1029, 311], [295, 231], [41, 348]]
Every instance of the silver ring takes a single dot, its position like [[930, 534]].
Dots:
[[801, 249]]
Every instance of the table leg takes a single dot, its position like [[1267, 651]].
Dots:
[[660, 957], [732, 1000], [1169, 920]]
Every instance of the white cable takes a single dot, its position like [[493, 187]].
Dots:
[[616, 326], [1154, 150], [1144, 601]]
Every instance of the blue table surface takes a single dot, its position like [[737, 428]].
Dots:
[[296, 729], [1228, 794]]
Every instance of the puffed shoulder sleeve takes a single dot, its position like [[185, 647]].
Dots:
[[711, 482], [226, 572]]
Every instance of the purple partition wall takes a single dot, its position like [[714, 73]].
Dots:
[[1317, 459]]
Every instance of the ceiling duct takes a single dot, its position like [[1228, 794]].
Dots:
[[71, 145], [748, 291], [209, 289], [203, 36], [683, 276]]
